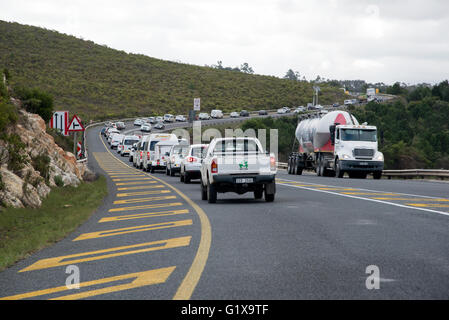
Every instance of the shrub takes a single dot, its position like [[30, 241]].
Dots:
[[42, 164], [58, 181], [36, 101], [17, 159]]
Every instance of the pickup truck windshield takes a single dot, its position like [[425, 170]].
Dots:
[[180, 150], [358, 135], [236, 145], [130, 142], [197, 151]]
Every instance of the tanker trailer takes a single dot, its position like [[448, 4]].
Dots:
[[334, 144]]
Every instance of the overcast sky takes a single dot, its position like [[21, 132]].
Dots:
[[378, 41]]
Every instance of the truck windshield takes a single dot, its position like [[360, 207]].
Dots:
[[358, 135], [198, 151], [130, 142], [180, 150]]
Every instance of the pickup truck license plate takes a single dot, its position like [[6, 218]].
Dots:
[[244, 180], [363, 163]]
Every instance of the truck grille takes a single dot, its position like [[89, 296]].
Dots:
[[363, 153]]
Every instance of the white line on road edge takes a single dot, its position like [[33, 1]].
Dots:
[[367, 199]]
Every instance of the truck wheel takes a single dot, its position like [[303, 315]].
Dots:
[[186, 177], [151, 169], [289, 166], [172, 173], [338, 172], [377, 175], [299, 172], [258, 194], [203, 192], [167, 172], [181, 176], [211, 193], [130, 159], [295, 166], [269, 197]]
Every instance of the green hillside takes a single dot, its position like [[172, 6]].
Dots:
[[98, 82]]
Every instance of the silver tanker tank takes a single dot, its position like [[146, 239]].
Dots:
[[314, 133]]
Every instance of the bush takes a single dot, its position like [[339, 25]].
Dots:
[[16, 159], [36, 101], [58, 181], [41, 163], [66, 143]]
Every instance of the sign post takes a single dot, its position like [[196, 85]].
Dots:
[[75, 126]]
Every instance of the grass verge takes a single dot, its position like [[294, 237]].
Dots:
[[23, 231]]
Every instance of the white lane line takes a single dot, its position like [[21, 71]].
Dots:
[[367, 199]]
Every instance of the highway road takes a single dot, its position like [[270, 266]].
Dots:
[[154, 238]]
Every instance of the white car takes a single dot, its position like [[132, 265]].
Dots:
[[110, 133], [191, 163], [120, 125], [281, 111], [159, 119], [180, 118], [116, 140], [216, 114], [177, 153], [299, 109], [138, 122], [234, 114], [126, 145], [169, 118], [240, 165], [203, 116], [146, 127]]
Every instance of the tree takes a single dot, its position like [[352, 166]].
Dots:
[[245, 68], [292, 75]]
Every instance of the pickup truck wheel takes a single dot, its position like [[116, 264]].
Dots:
[[269, 197], [186, 178], [258, 194], [167, 172], [377, 175], [211, 193], [289, 166], [172, 173], [181, 177], [130, 159], [203, 192]]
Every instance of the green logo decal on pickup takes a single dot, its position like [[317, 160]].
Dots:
[[243, 165]]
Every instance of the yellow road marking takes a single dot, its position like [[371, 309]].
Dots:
[[430, 205], [372, 194], [140, 187], [108, 253], [135, 182], [132, 179], [336, 189], [138, 200], [144, 215], [185, 290], [147, 206], [142, 193], [144, 278], [414, 199], [148, 227]]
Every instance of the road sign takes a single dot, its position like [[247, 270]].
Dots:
[[60, 121], [78, 150], [75, 125], [196, 104]]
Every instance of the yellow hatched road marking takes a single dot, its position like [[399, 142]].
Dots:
[[372, 194], [147, 206], [430, 205], [337, 189], [414, 199], [132, 179], [140, 187], [144, 215], [142, 193], [108, 253], [148, 227], [138, 200], [135, 182], [144, 278]]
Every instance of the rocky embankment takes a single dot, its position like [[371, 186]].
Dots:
[[21, 183]]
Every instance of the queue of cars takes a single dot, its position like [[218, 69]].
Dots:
[[238, 164]]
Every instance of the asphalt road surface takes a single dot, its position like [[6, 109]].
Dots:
[[154, 238]]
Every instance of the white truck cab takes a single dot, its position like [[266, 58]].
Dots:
[[149, 157]]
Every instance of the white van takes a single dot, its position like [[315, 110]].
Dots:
[[161, 155], [148, 151], [116, 139], [216, 114]]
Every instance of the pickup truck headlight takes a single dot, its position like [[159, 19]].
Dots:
[[345, 157], [379, 156]]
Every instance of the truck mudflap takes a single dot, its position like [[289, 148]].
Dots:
[[361, 165]]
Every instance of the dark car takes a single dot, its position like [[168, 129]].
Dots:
[[335, 105], [263, 112], [244, 113], [159, 126], [103, 131]]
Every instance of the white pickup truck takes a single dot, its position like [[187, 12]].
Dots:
[[238, 165]]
